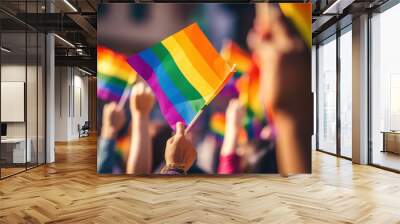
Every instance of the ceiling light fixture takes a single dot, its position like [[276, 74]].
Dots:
[[331, 7], [84, 71], [5, 50], [337, 7], [70, 5], [64, 40]]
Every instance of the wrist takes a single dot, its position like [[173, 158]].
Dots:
[[229, 144], [294, 146], [140, 115], [108, 133], [232, 130], [174, 163], [173, 168]]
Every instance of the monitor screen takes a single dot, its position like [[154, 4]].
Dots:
[[3, 129]]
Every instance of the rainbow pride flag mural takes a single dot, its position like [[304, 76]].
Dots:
[[185, 73], [113, 74]]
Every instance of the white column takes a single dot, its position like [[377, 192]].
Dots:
[[360, 90], [50, 93]]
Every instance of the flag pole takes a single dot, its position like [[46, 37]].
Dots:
[[125, 95], [233, 69], [123, 98]]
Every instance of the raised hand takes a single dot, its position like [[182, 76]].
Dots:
[[141, 152], [234, 116], [141, 100], [284, 61], [113, 120], [285, 64], [234, 122]]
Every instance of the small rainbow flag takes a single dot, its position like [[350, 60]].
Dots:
[[122, 146], [233, 54], [185, 73], [217, 126], [248, 87], [300, 15], [113, 74]]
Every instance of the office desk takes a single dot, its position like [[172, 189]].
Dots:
[[13, 150], [391, 141]]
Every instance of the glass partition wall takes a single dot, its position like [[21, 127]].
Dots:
[[385, 89], [327, 95], [334, 93], [22, 93], [345, 92]]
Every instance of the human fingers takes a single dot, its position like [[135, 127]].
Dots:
[[180, 129]]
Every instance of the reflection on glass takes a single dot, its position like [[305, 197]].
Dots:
[[22, 90], [385, 84], [345, 94], [327, 96], [31, 97], [41, 99], [15, 151]]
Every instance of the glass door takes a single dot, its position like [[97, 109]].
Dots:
[[14, 153], [326, 100], [385, 89], [345, 93], [22, 77]]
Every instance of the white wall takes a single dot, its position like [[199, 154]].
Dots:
[[71, 94], [61, 103]]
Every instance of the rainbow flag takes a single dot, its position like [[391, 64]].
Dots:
[[185, 73], [113, 74], [233, 54], [248, 87], [300, 15], [248, 83], [217, 126], [122, 146]]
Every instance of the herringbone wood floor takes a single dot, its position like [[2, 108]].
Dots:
[[70, 191]]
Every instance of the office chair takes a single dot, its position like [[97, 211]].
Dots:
[[84, 130]]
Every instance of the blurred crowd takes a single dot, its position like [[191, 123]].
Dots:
[[283, 145]]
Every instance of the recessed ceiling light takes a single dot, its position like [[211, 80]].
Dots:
[[70, 5], [84, 71], [64, 40], [5, 50]]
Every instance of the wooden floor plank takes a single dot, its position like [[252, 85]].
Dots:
[[70, 191]]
